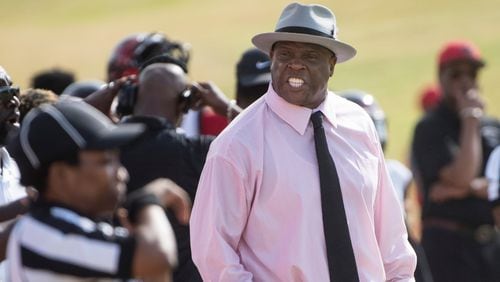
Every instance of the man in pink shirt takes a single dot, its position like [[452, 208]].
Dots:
[[258, 212]]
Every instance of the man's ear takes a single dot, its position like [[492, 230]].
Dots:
[[59, 170], [59, 174], [271, 51]]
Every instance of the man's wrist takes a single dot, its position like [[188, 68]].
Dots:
[[136, 201], [232, 110], [471, 112]]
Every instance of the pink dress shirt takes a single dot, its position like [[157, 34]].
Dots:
[[257, 213]]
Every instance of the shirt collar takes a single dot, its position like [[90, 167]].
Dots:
[[41, 205], [296, 116], [328, 109]]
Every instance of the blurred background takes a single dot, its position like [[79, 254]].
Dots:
[[397, 42]]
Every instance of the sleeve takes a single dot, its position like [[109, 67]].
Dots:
[[492, 174], [398, 256], [199, 148], [217, 222]]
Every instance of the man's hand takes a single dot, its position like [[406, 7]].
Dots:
[[103, 98], [470, 104], [441, 192], [479, 188], [209, 94], [171, 196]]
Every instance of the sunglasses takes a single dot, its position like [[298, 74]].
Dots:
[[7, 93]]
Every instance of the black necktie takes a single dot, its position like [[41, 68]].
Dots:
[[339, 252]]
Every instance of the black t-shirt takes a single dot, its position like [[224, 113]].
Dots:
[[435, 143], [162, 152]]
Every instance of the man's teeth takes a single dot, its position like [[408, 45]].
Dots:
[[295, 82]]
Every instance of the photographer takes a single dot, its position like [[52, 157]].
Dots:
[[164, 94]]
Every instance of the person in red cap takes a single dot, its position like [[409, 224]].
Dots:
[[450, 147]]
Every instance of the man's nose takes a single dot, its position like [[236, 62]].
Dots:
[[467, 81], [296, 64]]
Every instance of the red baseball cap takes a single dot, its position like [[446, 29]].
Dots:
[[459, 50]]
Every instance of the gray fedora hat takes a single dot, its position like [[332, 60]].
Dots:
[[314, 24]]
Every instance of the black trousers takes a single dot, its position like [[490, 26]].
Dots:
[[455, 256]]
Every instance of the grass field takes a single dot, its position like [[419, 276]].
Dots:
[[397, 42]]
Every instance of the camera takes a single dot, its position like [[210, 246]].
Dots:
[[187, 98], [127, 96]]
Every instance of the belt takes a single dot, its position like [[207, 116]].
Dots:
[[481, 234], [447, 224]]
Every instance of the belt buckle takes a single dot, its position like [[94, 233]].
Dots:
[[485, 233]]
